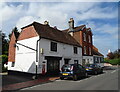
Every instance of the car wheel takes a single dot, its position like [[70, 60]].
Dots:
[[62, 78], [95, 72], [75, 77]]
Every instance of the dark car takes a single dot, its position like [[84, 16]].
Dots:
[[72, 70], [93, 69]]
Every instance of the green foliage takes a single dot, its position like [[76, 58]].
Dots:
[[113, 61], [4, 43], [4, 59], [15, 30], [114, 55]]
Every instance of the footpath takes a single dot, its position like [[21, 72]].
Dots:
[[20, 85]]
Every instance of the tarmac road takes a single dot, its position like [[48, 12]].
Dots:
[[106, 81]]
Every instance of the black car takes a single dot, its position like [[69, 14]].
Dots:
[[93, 69], [72, 70]]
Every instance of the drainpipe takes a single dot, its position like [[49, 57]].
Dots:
[[37, 56]]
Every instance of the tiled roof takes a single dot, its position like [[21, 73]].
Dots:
[[51, 33], [75, 28], [97, 53]]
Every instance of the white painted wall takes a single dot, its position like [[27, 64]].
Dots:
[[88, 58], [25, 58], [63, 50]]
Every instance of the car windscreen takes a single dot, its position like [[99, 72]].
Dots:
[[90, 65], [67, 68]]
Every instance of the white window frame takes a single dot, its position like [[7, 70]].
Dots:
[[85, 50], [90, 51], [84, 36]]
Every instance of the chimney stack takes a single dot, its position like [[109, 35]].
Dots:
[[71, 23], [55, 27], [71, 26], [46, 23]]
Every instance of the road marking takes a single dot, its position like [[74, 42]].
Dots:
[[113, 71], [35, 86]]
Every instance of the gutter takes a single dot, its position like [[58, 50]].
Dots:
[[37, 55]]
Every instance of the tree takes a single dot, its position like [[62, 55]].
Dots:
[[4, 43], [117, 53], [114, 55], [15, 30], [110, 55]]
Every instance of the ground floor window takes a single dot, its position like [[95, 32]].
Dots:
[[75, 61], [83, 62], [66, 61], [13, 64]]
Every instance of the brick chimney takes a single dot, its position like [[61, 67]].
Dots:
[[71, 23], [71, 26]]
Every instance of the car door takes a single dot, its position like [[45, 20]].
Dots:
[[82, 70], [97, 68]]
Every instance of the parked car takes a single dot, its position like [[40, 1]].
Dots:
[[93, 69], [72, 70]]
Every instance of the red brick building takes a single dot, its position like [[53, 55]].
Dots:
[[83, 35]]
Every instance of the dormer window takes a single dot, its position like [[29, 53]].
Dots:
[[84, 36]]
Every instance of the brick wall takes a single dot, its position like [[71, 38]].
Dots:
[[11, 53], [27, 32], [79, 37]]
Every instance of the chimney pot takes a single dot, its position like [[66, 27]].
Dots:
[[55, 27], [71, 23], [46, 23]]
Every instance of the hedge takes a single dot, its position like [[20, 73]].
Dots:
[[114, 61]]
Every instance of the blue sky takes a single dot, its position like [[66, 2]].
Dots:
[[101, 17]]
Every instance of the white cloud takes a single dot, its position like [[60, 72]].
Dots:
[[24, 21], [9, 11], [58, 15]]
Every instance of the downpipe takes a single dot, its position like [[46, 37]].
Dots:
[[36, 75]]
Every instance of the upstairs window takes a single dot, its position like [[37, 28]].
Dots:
[[75, 50], [89, 38], [84, 36], [90, 51], [84, 49], [54, 46], [75, 61]]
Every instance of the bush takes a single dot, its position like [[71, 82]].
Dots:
[[114, 61], [4, 59]]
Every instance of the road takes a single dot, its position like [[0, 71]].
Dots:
[[106, 81]]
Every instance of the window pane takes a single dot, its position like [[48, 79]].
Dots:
[[75, 50], [53, 46]]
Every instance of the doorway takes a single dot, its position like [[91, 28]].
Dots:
[[53, 65]]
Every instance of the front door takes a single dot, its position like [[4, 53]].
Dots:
[[53, 66]]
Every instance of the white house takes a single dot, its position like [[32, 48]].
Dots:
[[45, 47]]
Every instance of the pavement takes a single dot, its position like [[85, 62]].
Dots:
[[13, 82]]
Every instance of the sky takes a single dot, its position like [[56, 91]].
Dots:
[[101, 17]]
